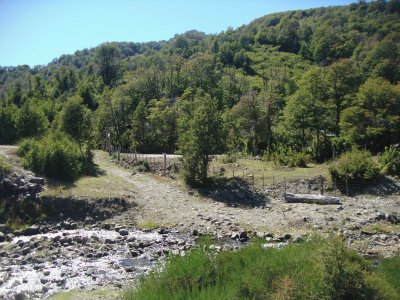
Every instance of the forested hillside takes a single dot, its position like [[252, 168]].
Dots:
[[302, 81]]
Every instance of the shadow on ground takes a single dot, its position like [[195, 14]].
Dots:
[[380, 186], [234, 192]]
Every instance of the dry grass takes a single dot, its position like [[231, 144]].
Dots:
[[90, 295], [113, 181], [247, 168], [381, 228]]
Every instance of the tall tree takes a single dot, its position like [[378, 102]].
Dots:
[[76, 120], [108, 63], [343, 79], [201, 135]]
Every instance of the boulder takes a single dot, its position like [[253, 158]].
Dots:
[[31, 230], [2, 237], [3, 228], [123, 232]]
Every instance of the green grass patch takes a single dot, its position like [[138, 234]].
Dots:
[[247, 168], [5, 167], [87, 295], [317, 269], [381, 228], [112, 181], [147, 225]]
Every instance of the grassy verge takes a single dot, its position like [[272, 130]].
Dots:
[[109, 183], [272, 173], [314, 270], [91, 295]]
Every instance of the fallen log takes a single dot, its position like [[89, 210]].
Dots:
[[309, 198]]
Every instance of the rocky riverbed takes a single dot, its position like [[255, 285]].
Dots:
[[37, 264]]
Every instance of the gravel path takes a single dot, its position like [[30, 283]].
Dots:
[[163, 202]]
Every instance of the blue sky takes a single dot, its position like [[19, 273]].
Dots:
[[34, 32]]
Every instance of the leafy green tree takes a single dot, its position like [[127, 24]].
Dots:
[[374, 119], [201, 135], [305, 110], [76, 120], [140, 127], [251, 117], [31, 121], [87, 93], [107, 56], [343, 80], [16, 94], [162, 120], [7, 124]]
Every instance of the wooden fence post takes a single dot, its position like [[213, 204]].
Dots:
[[165, 164], [263, 183], [284, 184], [321, 183]]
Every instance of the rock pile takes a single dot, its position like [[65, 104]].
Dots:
[[19, 185]]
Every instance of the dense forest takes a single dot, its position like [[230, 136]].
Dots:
[[313, 82]]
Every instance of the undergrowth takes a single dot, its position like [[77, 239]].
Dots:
[[316, 269]]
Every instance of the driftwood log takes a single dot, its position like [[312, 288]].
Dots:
[[309, 198]]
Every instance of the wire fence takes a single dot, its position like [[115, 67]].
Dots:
[[167, 164]]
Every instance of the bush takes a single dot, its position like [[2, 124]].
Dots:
[[283, 156], [5, 167], [316, 269], [55, 156], [390, 161], [354, 165], [229, 158]]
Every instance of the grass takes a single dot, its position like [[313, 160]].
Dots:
[[318, 269], [272, 173], [89, 295], [381, 228], [147, 225], [5, 167], [109, 183]]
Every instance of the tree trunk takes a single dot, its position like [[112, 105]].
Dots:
[[309, 198]]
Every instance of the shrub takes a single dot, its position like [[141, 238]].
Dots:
[[317, 269], [283, 156], [390, 161], [229, 158], [5, 167], [55, 156], [354, 165]]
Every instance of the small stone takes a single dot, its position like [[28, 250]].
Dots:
[[135, 253], [195, 232], [46, 273], [297, 239], [287, 236], [123, 232], [260, 234], [26, 250], [243, 235], [20, 296]]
